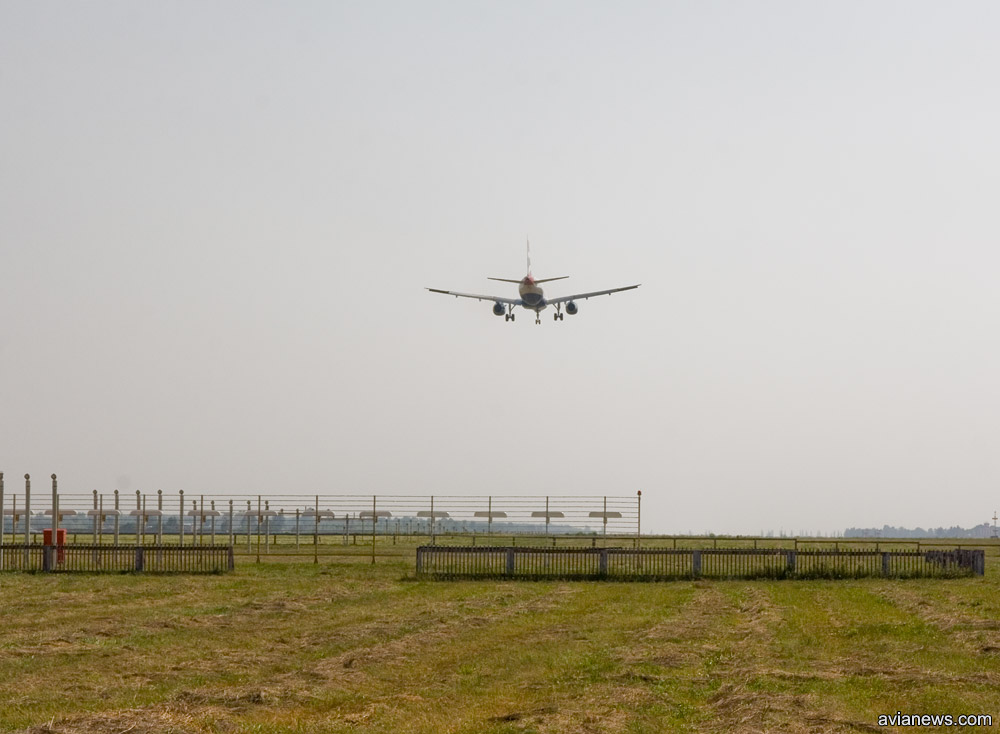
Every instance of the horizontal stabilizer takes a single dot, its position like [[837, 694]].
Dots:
[[506, 280], [546, 280]]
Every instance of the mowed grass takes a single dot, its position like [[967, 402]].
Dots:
[[347, 646]]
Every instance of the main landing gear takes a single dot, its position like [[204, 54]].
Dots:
[[510, 313], [558, 315]]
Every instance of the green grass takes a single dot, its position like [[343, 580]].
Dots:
[[347, 646]]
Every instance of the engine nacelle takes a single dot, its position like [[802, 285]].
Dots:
[[498, 309], [572, 308]]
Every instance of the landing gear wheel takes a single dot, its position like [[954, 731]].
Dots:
[[555, 317], [512, 316]]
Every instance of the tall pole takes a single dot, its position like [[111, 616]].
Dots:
[[374, 518], [232, 532], [97, 517], [139, 517], [55, 511], [267, 526], [27, 515], [180, 529], [316, 533], [258, 527], [159, 518], [605, 522], [117, 518], [638, 518], [13, 520], [3, 521]]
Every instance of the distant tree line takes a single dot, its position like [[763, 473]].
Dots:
[[889, 531]]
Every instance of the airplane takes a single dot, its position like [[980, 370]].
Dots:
[[532, 297]]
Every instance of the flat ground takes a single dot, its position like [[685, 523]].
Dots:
[[288, 646]]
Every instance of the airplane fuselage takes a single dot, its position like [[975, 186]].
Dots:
[[531, 294]]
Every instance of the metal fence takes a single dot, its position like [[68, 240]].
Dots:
[[117, 558], [455, 562], [185, 516]]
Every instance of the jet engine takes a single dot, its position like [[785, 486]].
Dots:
[[572, 308], [498, 309]]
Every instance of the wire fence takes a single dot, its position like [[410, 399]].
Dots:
[[163, 517], [458, 562], [116, 558]]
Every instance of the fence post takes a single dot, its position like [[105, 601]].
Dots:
[[790, 559], [603, 567], [638, 518], [159, 518], [510, 560], [696, 563], [316, 532], [420, 560], [180, 514], [55, 511], [27, 516], [117, 519], [139, 559], [885, 563], [605, 521], [232, 530], [3, 521], [46, 558], [374, 523]]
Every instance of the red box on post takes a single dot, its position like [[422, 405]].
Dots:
[[60, 542]]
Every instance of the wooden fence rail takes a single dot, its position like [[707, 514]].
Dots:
[[117, 558], [453, 562]]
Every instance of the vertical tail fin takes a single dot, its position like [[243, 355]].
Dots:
[[529, 256]]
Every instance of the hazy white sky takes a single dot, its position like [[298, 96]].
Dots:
[[217, 221]]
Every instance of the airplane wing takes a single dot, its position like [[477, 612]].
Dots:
[[498, 299], [585, 296]]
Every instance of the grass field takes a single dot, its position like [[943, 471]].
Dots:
[[289, 646]]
